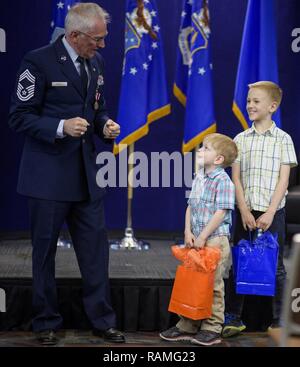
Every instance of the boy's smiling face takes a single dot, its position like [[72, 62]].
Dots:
[[260, 106]]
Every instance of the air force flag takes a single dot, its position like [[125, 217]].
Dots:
[[258, 55], [60, 9], [143, 97], [193, 81]]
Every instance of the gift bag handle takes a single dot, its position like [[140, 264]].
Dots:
[[250, 237], [257, 233]]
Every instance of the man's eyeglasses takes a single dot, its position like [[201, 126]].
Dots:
[[95, 39]]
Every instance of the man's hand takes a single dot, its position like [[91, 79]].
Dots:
[[75, 127], [189, 239], [200, 242], [265, 220], [111, 129], [248, 220]]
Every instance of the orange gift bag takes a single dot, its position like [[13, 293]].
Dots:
[[192, 293]]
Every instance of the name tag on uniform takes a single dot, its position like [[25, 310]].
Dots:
[[59, 84]]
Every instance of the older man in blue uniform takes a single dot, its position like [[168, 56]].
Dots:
[[59, 105]]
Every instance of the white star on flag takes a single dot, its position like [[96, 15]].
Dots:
[[211, 66], [190, 2], [156, 28], [145, 66], [201, 71], [133, 71], [153, 13], [190, 72], [146, 1], [154, 45], [60, 5], [183, 14], [52, 24], [150, 57]]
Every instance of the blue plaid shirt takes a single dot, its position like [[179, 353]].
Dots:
[[211, 192]]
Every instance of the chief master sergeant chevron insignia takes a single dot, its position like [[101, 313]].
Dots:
[[26, 85]]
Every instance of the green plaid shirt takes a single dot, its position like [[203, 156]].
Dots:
[[260, 157]]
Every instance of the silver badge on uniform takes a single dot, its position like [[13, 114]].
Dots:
[[26, 85]]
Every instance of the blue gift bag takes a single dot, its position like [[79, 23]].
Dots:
[[255, 264]]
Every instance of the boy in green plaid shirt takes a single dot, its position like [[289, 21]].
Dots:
[[261, 176]]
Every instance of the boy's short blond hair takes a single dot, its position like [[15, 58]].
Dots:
[[273, 90], [224, 146]]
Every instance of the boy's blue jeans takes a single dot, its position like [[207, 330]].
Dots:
[[234, 302]]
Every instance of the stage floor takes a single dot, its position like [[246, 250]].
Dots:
[[155, 263], [141, 285]]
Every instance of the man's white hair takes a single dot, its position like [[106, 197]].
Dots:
[[82, 17]]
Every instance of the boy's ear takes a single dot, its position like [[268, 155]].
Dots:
[[274, 107], [219, 159]]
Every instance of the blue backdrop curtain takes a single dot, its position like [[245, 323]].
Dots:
[[26, 24]]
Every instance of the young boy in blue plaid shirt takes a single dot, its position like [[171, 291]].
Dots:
[[207, 223], [261, 177]]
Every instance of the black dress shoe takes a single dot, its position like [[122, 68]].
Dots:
[[46, 337], [110, 335]]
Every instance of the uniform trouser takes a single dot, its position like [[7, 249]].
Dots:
[[86, 224], [215, 322], [235, 302]]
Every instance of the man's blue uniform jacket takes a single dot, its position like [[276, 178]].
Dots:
[[49, 89]]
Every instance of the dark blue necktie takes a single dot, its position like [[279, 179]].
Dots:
[[83, 74]]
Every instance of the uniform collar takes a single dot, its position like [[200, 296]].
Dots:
[[68, 67], [72, 53]]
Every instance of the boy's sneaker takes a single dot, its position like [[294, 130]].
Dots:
[[206, 337], [176, 335], [233, 325]]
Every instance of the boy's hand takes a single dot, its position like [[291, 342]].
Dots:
[[200, 242], [189, 239], [248, 220], [265, 221]]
